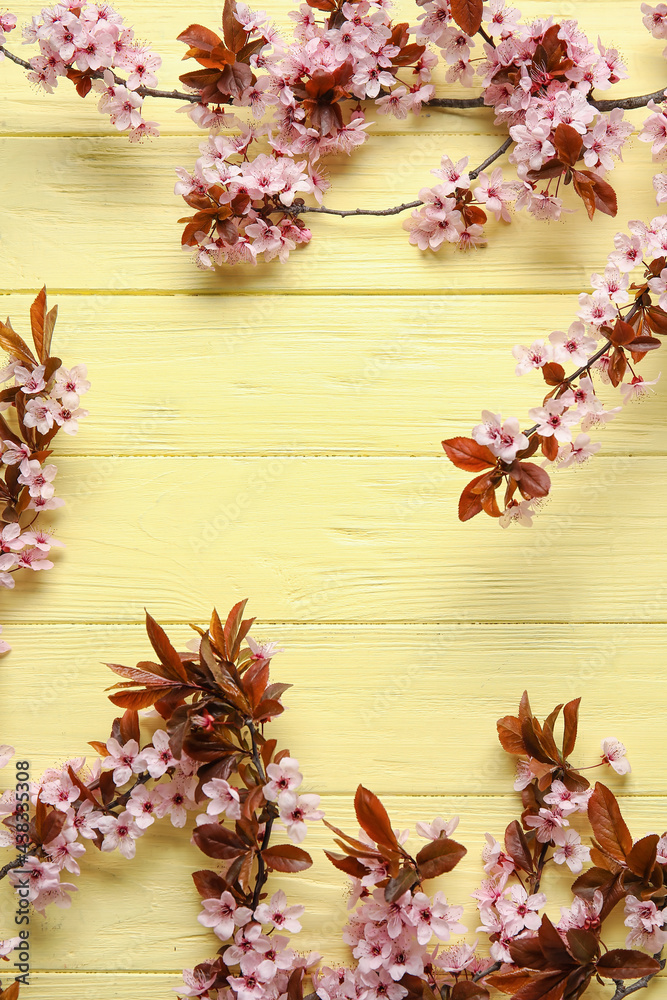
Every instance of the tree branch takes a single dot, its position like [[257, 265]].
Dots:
[[624, 991], [6, 869], [299, 209]]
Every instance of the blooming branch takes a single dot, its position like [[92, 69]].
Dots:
[[41, 399], [213, 758], [309, 96]]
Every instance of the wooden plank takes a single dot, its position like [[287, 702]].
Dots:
[[26, 111], [343, 539], [133, 903], [339, 378], [129, 240], [358, 693]]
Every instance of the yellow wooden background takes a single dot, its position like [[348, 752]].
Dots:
[[274, 433]]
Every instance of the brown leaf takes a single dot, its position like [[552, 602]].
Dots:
[[641, 859], [15, 345], [374, 819], [200, 37], [583, 945], [584, 188], [164, 650], [624, 963], [509, 734], [623, 333], [568, 143], [656, 319], [37, 313], [516, 846], [209, 884], [549, 447], [617, 366], [439, 856], [467, 14], [608, 825], [571, 721], [344, 863], [466, 454], [12, 991], [396, 887], [287, 858], [553, 373], [532, 479], [217, 841], [234, 32], [466, 989]]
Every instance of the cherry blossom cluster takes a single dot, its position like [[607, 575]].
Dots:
[[86, 42], [617, 323], [39, 398], [213, 760], [316, 93]]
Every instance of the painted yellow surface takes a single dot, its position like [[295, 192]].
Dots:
[[274, 433]]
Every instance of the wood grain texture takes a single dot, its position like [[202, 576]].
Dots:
[[261, 377], [357, 693], [274, 433], [129, 240], [342, 539]]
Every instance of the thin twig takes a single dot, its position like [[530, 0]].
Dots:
[[624, 991], [628, 103], [6, 869], [299, 209], [15, 59], [486, 972]]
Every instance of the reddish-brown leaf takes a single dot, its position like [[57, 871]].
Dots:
[[467, 14], [641, 859], [466, 454], [617, 366], [568, 143], [553, 373], [374, 819], [344, 863], [622, 333], [532, 479], [509, 734], [439, 856], [37, 315], [199, 37], [287, 858], [466, 989], [656, 319], [139, 699], [516, 846], [217, 841], [209, 884], [549, 447], [164, 650], [583, 945], [396, 887], [234, 32], [584, 188], [15, 345], [624, 963], [608, 825], [12, 991], [571, 722]]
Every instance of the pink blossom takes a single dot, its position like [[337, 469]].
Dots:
[[615, 754], [85, 820], [295, 811], [573, 347], [223, 915], [435, 917], [637, 388], [124, 760], [519, 910], [284, 777], [453, 175], [143, 804], [159, 758], [495, 195], [30, 381], [503, 439], [224, 798], [646, 923], [71, 385], [580, 450], [176, 797], [494, 858], [546, 821], [582, 913], [380, 986], [553, 420], [568, 802], [120, 833], [438, 828], [6, 754], [535, 356], [279, 914], [570, 850], [64, 850], [263, 650]]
